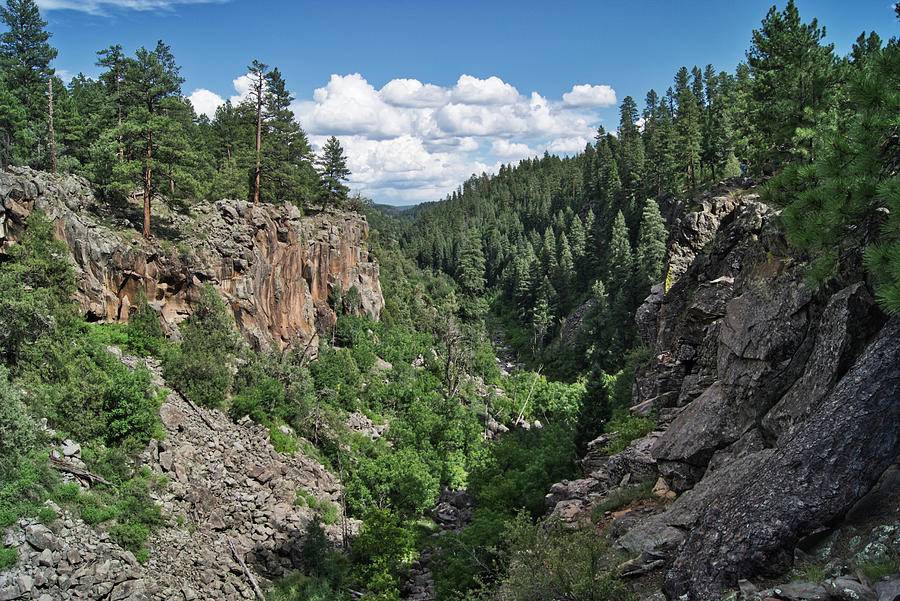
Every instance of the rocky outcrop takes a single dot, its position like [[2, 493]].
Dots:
[[274, 267], [225, 485], [833, 459], [777, 414]]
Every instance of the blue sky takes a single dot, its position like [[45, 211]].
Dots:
[[423, 94]]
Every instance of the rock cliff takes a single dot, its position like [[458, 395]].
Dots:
[[778, 414], [273, 267]]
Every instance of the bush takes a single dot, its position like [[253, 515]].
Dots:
[[17, 429], [548, 561], [144, 332], [200, 367]]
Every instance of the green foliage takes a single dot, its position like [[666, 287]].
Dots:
[[9, 557], [627, 428], [380, 551], [549, 561], [333, 172], [519, 469], [200, 366], [282, 442], [144, 332], [471, 555], [849, 198], [47, 515], [18, 431], [24, 486]]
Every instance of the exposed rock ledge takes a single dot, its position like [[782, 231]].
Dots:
[[274, 267]]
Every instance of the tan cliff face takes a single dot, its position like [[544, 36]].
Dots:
[[273, 267]]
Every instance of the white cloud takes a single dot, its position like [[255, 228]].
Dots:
[[412, 93], [493, 90], [505, 149], [413, 141], [569, 146], [590, 95], [205, 102], [242, 85], [101, 7]]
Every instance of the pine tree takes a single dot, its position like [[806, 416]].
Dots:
[[257, 71], [151, 90], [793, 83], [620, 262], [114, 60], [25, 53], [287, 170], [544, 313], [849, 199], [333, 172], [564, 277], [650, 252], [631, 159], [687, 128], [25, 57]]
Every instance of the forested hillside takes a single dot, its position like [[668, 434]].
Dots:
[[615, 338]]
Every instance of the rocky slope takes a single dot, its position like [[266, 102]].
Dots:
[[778, 411], [226, 486], [274, 268]]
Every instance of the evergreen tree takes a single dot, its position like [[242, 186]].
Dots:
[[564, 277], [650, 252], [333, 172], [25, 57], [793, 83], [257, 71], [850, 197], [620, 260], [631, 159], [544, 313], [287, 171], [151, 91], [114, 60], [25, 53], [687, 128]]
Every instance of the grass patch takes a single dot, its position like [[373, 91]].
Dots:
[[621, 497], [9, 556], [881, 566]]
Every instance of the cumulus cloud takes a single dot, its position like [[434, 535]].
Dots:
[[205, 102], [413, 93], [569, 146], [590, 95], [505, 149], [413, 141], [102, 7], [493, 90]]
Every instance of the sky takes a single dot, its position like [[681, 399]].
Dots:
[[424, 94]]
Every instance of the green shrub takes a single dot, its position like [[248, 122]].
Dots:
[[144, 332], [549, 561], [281, 442], [621, 497], [9, 557], [200, 366], [330, 513], [17, 429], [628, 429], [47, 515]]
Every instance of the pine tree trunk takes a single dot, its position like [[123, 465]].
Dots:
[[147, 174], [119, 120], [258, 137], [52, 139]]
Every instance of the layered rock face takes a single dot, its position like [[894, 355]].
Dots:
[[274, 268]]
